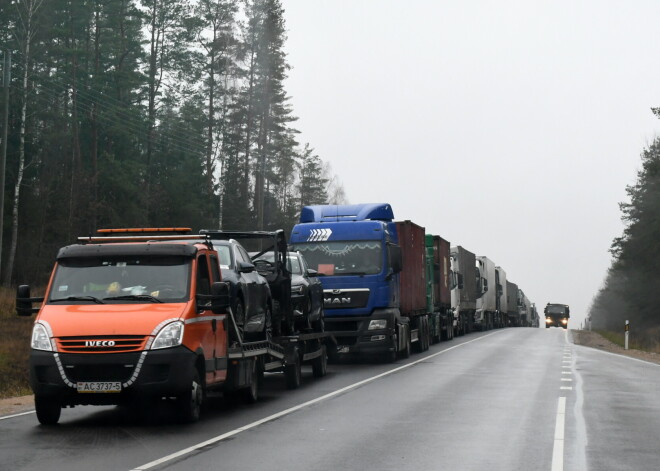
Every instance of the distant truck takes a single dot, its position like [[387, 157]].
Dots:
[[512, 318], [439, 289], [464, 291], [488, 300], [556, 315]]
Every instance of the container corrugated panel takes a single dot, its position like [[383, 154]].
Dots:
[[444, 266], [413, 274]]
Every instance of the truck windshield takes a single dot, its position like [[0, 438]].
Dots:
[[135, 279], [363, 257], [554, 309]]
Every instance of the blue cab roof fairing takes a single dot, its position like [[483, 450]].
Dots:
[[341, 231], [349, 212]]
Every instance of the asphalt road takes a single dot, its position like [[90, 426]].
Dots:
[[511, 399]]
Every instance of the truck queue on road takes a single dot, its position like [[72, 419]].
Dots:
[[138, 315]]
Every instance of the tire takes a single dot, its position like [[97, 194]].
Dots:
[[250, 395], [319, 325], [405, 353], [293, 373], [189, 403], [320, 364], [547, 326], [48, 410]]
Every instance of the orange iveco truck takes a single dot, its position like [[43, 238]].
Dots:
[[129, 318]]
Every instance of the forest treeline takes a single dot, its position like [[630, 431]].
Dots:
[[142, 113], [632, 287]]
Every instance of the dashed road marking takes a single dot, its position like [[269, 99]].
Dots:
[[558, 448], [567, 388]]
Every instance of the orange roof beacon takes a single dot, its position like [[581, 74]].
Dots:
[[129, 319]]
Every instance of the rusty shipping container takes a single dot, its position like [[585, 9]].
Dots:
[[413, 274], [442, 265]]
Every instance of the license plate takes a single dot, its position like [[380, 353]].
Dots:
[[98, 387], [343, 349]]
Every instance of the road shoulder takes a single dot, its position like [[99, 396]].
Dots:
[[16, 405], [594, 340]]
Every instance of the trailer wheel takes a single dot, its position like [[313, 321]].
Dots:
[[405, 353], [427, 334], [251, 393], [190, 402], [320, 364], [293, 373], [48, 410]]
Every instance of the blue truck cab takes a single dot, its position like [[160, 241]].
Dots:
[[355, 250]]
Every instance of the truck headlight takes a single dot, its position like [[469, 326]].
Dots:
[[40, 338], [297, 289], [548, 320], [377, 324], [564, 321], [169, 336]]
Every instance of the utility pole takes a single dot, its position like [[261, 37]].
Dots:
[[6, 78]]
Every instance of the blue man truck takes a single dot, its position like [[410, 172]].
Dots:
[[373, 272]]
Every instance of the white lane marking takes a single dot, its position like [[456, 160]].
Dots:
[[17, 415], [566, 372], [566, 361], [270, 418], [567, 388], [558, 448], [566, 379]]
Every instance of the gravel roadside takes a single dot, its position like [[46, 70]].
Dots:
[[594, 340]]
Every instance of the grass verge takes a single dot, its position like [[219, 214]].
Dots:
[[646, 341], [14, 347]]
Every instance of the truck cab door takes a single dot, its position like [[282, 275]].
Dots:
[[209, 327]]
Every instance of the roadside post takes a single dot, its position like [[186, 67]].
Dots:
[[627, 332]]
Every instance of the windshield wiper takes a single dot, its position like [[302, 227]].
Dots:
[[78, 298], [135, 297]]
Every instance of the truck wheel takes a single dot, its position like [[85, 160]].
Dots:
[[190, 402], [48, 410], [405, 353], [320, 364], [293, 373], [547, 326], [251, 393], [427, 334]]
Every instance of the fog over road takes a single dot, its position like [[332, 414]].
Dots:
[[517, 398]]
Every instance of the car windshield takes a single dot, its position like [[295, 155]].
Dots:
[[364, 257], [224, 255], [117, 279], [554, 309], [293, 265]]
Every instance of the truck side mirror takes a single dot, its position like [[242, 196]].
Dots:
[[394, 258], [220, 297], [484, 285], [24, 301], [312, 272]]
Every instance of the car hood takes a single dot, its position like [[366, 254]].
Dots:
[[108, 319]]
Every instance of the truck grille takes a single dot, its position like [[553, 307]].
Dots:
[[95, 373], [101, 344]]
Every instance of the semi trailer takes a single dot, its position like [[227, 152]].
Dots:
[[464, 288]]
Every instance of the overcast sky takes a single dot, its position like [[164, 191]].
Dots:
[[508, 127]]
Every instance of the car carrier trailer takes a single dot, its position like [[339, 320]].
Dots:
[[129, 318]]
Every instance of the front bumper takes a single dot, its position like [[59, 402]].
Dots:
[[156, 373], [354, 337]]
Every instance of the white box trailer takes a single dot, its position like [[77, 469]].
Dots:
[[464, 292], [487, 302]]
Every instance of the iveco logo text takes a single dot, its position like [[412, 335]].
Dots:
[[99, 343], [337, 300]]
